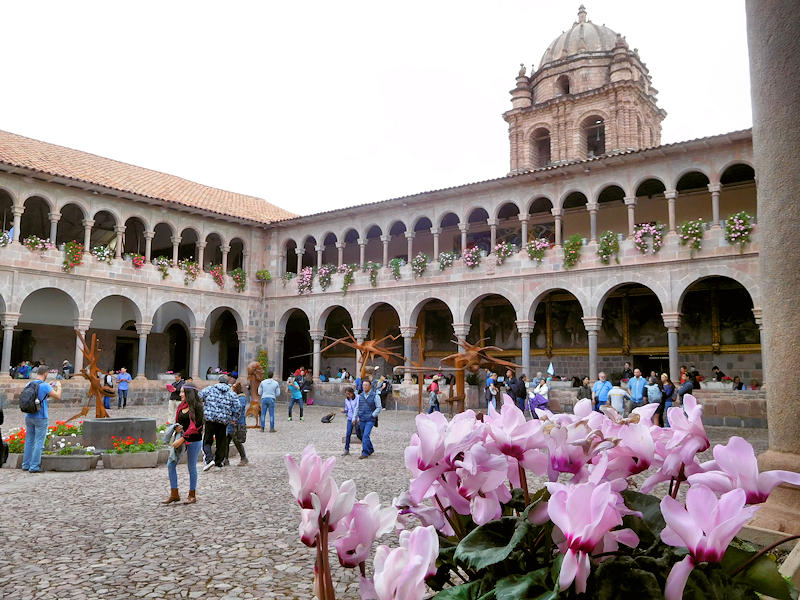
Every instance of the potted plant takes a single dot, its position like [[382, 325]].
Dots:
[[738, 228], [263, 276], [16, 448], [472, 257], [218, 275], [130, 453], [648, 237], [572, 250], [239, 277], [36, 244], [163, 264], [373, 268], [69, 458], [305, 280], [348, 271], [691, 234], [447, 260], [190, 268], [395, 265], [103, 254], [607, 247], [502, 251], [536, 249], [73, 256], [325, 275], [419, 264]]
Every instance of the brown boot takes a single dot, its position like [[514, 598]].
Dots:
[[191, 499], [173, 496]]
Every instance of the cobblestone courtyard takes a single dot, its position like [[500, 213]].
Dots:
[[104, 534]]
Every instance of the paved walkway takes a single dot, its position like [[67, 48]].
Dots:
[[100, 535]]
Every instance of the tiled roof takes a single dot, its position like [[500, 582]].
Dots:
[[50, 159]]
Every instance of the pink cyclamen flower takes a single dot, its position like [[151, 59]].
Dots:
[[400, 573], [338, 504], [310, 476], [365, 523], [483, 482], [706, 526], [735, 466]]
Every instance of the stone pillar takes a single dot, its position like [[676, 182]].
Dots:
[[557, 212], [246, 262], [463, 227], [435, 234], [148, 245], [525, 329], [408, 337], [492, 234], [143, 329], [523, 220], [410, 245], [362, 251], [225, 251], [339, 253], [87, 234], [54, 218], [360, 333], [714, 189], [385, 241], [120, 241], [671, 196], [672, 321], [316, 363], [462, 331], [319, 250], [299, 253], [592, 325], [278, 354], [81, 325], [176, 242], [10, 321], [630, 204], [18, 210], [242, 366], [200, 248], [758, 314], [592, 208], [197, 334], [774, 56]]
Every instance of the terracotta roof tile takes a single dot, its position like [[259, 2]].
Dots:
[[26, 153]]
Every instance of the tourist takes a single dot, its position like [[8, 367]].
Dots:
[[600, 390], [520, 391], [175, 393], [537, 379], [754, 385], [543, 389], [737, 383], [627, 372], [636, 385], [368, 406], [684, 374], [618, 397], [653, 391], [123, 381], [220, 409], [433, 395], [36, 423], [585, 390], [269, 390], [492, 393], [350, 405], [189, 422], [295, 396], [108, 392], [327, 373], [687, 387], [667, 400], [237, 432], [718, 375], [24, 370], [67, 370], [384, 389]]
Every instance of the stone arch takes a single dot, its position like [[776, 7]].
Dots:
[[206, 319], [46, 326], [607, 192], [289, 248], [104, 229], [56, 291], [161, 245], [540, 143], [451, 217], [351, 252], [536, 205], [499, 208], [188, 247], [213, 253], [70, 224], [326, 312], [297, 345], [416, 310], [601, 293], [309, 258], [76, 201], [706, 172], [175, 305], [7, 203], [222, 326], [476, 210], [542, 293], [748, 162], [281, 323], [513, 299], [571, 192], [647, 179], [236, 254], [128, 301], [592, 131], [133, 241], [36, 217], [421, 223], [366, 314], [750, 284]]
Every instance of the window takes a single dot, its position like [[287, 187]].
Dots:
[[541, 148], [595, 135], [562, 86]]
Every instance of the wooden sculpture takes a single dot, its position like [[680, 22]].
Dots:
[[368, 349], [92, 373], [255, 375]]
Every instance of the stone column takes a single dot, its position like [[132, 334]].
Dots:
[[492, 234], [81, 325], [246, 262], [774, 57], [435, 234], [319, 250], [408, 337], [176, 242], [714, 189], [197, 334], [758, 314], [148, 245], [557, 212], [592, 208], [225, 251], [360, 333], [143, 329], [278, 354], [339, 253], [671, 196], [525, 329], [462, 331], [54, 218], [523, 220], [463, 227], [362, 251], [200, 248], [120, 241], [410, 245], [630, 204], [592, 325], [242, 366], [18, 210], [672, 321], [87, 234], [299, 253], [385, 241], [10, 321], [316, 337]]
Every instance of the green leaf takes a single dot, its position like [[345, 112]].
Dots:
[[649, 506], [491, 543], [517, 501], [621, 577], [516, 587], [762, 575], [466, 591]]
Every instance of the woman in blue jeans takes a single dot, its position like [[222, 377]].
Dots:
[[189, 419]]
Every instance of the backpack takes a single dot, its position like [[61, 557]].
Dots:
[[29, 397]]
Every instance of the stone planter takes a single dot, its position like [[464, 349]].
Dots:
[[170, 377], [14, 461], [131, 460], [163, 455], [68, 462], [716, 385], [98, 432]]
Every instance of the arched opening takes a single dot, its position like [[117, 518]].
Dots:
[[236, 255], [351, 252], [633, 328], [36, 218], [188, 248], [576, 217], [694, 198], [562, 85], [168, 347], [133, 241], [559, 335], [103, 230], [541, 223], [374, 249], [509, 228], [297, 345], [330, 254], [612, 215], [493, 323], [651, 205], [70, 225], [309, 258], [178, 348], [384, 321], [737, 191], [114, 321], [541, 148], [423, 238], [213, 253], [45, 332], [290, 256], [222, 351], [478, 235], [435, 334], [6, 210], [162, 241], [398, 247], [449, 233], [338, 324], [594, 136], [718, 328]]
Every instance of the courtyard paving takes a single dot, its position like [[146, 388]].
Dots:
[[104, 534]]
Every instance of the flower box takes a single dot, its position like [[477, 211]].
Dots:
[[14, 461], [166, 377], [69, 463], [131, 460], [163, 455]]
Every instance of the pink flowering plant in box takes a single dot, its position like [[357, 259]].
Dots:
[[372, 268], [73, 256], [190, 270], [239, 277], [738, 228], [447, 260], [218, 275], [502, 251], [472, 257], [36, 244], [652, 230], [349, 275], [536, 249], [5, 239], [138, 261], [325, 275], [305, 280], [587, 532], [419, 264], [691, 234]]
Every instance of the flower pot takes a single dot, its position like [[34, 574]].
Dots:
[[131, 460], [14, 461], [68, 463]]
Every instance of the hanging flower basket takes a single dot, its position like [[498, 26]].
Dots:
[[239, 277], [190, 270], [305, 279], [372, 268], [419, 264], [502, 251], [163, 264], [73, 256], [36, 244], [395, 265], [348, 272], [572, 250], [536, 249], [738, 228], [645, 234], [263, 276], [472, 257], [103, 254], [325, 275], [447, 260], [692, 235], [607, 247], [138, 261]]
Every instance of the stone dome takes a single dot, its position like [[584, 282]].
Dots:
[[583, 36]]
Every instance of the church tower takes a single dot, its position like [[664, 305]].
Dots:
[[592, 95]]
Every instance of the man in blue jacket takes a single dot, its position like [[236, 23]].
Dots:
[[368, 406], [636, 388], [600, 390], [220, 409]]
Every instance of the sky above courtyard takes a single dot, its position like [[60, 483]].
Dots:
[[319, 105]]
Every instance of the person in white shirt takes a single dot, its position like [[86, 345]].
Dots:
[[617, 397]]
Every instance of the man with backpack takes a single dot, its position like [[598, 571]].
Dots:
[[33, 402]]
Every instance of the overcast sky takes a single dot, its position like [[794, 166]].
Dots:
[[318, 105]]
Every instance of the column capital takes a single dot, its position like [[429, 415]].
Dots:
[[242, 334], [88, 222], [225, 249], [462, 227], [629, 200], [362, 242], [670, 194], [149, 235], [200, 244], [143, 328], [461, 329], [119, 229], [408, 332], [525, 327], [18, 210], [319, 248], [491, 222], [360, 333], [410, 235], [758, 314], [592, 207], [556, 212], [82, 324], [671, 320], [435, 231], [339, 245], [197, 332], [316, 334], [10, 319], [55, 217], [175, 239], [385, 238], [592, 324], [299, 251], [714, 188], [523, 217]]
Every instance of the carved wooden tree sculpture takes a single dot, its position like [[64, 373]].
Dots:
[[255, 375], [368, 349], [92, 373]]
